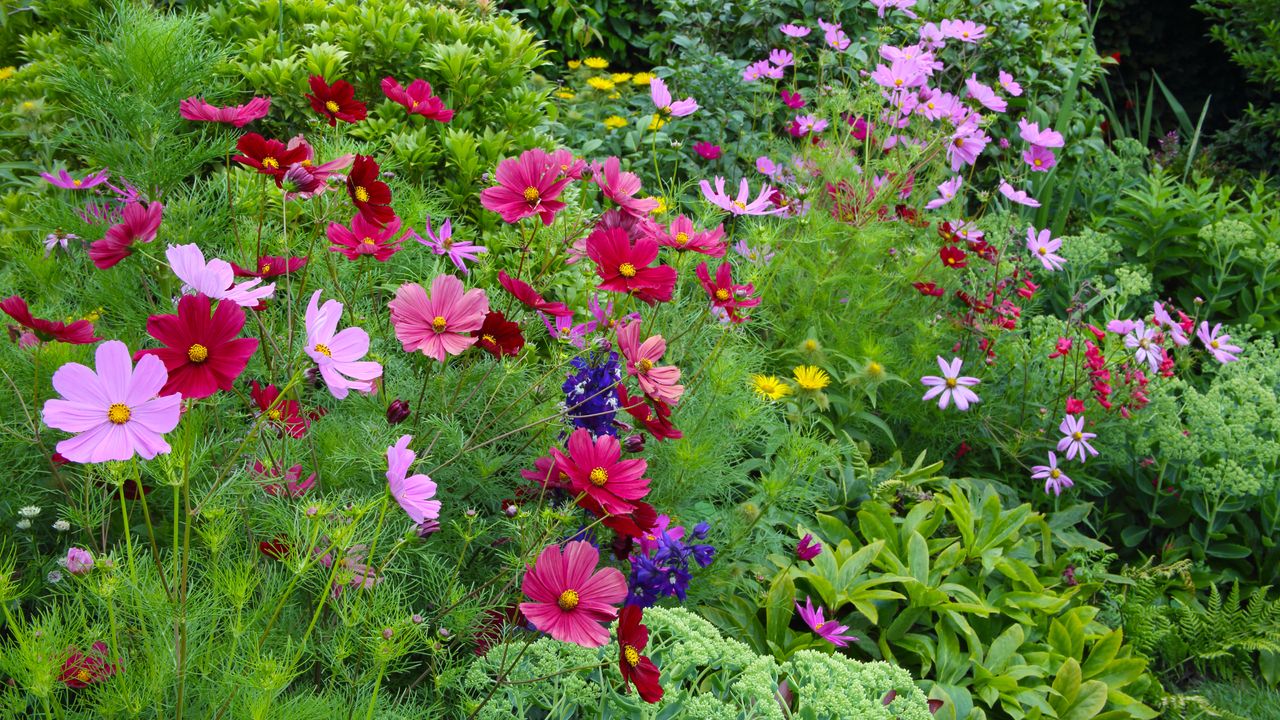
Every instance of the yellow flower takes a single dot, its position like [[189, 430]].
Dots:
[[810, 377], [656, 122], [600, 83], [642, 78], [661, 207], [620, 77], [574, 64], [614, 96], [613, 122], [565, 94], [596, 63], [28, 105], [770, 387], [7, 72], [810, 345], [874, 370]]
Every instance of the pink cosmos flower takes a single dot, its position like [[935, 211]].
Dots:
[[1075, 441], [294, 486], [756, 70], [658, 382], [64, 180], [707, 151], [79, 561], [570, 166], [1122, 327], [417, 99], [307, 179], [739, 205], [561, 327], [460, 252], [338, 353], [966, 31], [727, 297], [828, 630], [946, 193], [1010, 86], [621, 187], [413, 492], [966, 144], [793, 100], [899, 75], [1174, 328], [836, 38], [781, 58], [215, 278], [661, 97], [527, 186], [365, 239], [1019, 196], [904, 5], [1055, 481], [437, 324], [1142, 340], [1039, 159], [985, 95], [194, 108], [56, 238], [137, 224], [808, 124], [951, 385], [115, 410], [931, 36], [1217, 345], [1044, 248], [595, 467], [795, 31], [683, 236], [570, 597], [1032, 133]]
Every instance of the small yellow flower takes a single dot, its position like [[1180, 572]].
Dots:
[[28, 105], [613, 122], [620, 77], [657, 122], [574, 64], [94, 316], [810, 377], [565, 94], [599, 83], [810, 345], [596, 63], [615, 96], [642, 78], [874, 370], [7, 72], [770, 387], [661, 208]]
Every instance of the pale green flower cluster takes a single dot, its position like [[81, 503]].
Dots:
[[1088, 250], [1132, 282]]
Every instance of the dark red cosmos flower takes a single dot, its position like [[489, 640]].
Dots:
[[724, 293], [269, 266], [80, 670], [623, 267], [335, 102], [633, 524], [79, 332], [130, 488], [137, 224], [655, 417], [285, 415], [203, 354], [499, 336], [947, 232], [371, 196], [930, 289], [293, 487], [952, 257], [417, 99], [268, 157], [633, 636], [277, 549], [525, 293]]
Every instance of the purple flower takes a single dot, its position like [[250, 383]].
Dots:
[[760, 256], [966, 31], [1217, 345], [808, 549], [836, 38], [1019, 196], [1164, 320], [64, 180], [563, 329], [1044, 248], [57, 237], [904, 5], [460, 252], [1032, 133], [946, 193], [1122, 327], [1039, 158], [1075, 441], [931, 36], [79, 561], [826, 629], [1010, 86], [966, 144], [807, 124], [985, 95], [1055, 480], [951, 386], [795, 31], [1142, 340]]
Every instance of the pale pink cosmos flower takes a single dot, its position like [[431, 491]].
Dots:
[[460, 252], [56, 238], [214, 278], [1074, 440], [79, 561], [1019, 196], [946, 193], [1217, 345], [952, 385], [1039, 159], [659, 382], [1166, 321], [115, 410], [1046, 138], [931, 36], [195, 108], [661, 97], [828, 630], [795, 31], [899, 75], [414, 493], [63, 179], [739, 205], [1142, 341], [1044, 247], [781, 58], [904, 5], [1055, 481], [966, 31], [809, 124], [966, 144], [985, 95], [1009, 84], [338, 354], [836, 38], [436, 324], [1122, 327]]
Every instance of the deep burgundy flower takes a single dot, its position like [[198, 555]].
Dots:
[[371, 196], [203, 354], [276, 549], [80, 670], [79, 332], [525, 293], [269, 157], [633, 636], [397, 412], [929, 289], [499, 336], [335, 102], [952, 257], [269, 266]]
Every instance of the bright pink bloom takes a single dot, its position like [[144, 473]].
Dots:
[[793, 100], [828, 630], [365, 239], [725, 295], [570, 166], [1174, 328], [335, 102], [527, 186], [621, 187], [1044, 248], [1055, 481], [64, 180], [951, 385], [966, 144], [1218, 345], [437, 324], [570, 598], [795, 31], [269, 266], [460, 252], [623, 267], [194, 108], [79, 332], [294, 486], [946, 193], [904, 5], [966, 31], [413, 492], [1061, 348], [417, 99], [80, 670], [661, 97], [202, 354], [594, 467], [525, 293], [1018, 196], [683, 236], [707, 151], [1032, 133], [214, 278], [304, 178], [137, 224], [1010, 86], [1039, 159], [657, 381], [762, 205], [115, 410], [79, 561], [985, 95], [338, 354]]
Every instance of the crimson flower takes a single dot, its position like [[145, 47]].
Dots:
[[268, 157], [525, 293], [79, 332], [80, 670], [655, 416], [365, 239], [293, 486], [930, 289], [623, 267], [499, 336], [276, 549], [724, 294], [371, 196], [335, 102], [285, 415], [952, 257], [202, 354], [633, 636], [595, 468], [269, 266], [417, 99], [137, 224]]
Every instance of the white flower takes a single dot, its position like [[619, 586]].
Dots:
[[29, 511], [24, 524], [62, 526]]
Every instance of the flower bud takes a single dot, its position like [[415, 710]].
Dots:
[[397, 411]]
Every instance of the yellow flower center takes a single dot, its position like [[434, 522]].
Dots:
[[1038, 162], [1055, 473], [598, 476], [741, 205], [1042, 250], [489, 339], [568, 600], [627, 270], [897, 82], [323, 350], [270, 163], [645, 365], [197, 353], [332, 106], [682, 238], [368, 241], [84, 675], [531, 194], [818, 627], [439, 323], [951, 382], [119, 413], [1076, 436], [275, 414], [959, 142], [362, 194], [722, 294], [631, 655], [266, 268], [76, 182], [1213, 344]]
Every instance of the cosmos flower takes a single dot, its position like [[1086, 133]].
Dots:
[[437, 324], [795, 31], [294, 486], [1173, 327], [137, 224], [570, 597], [460, 252], [285, 415], [269, 266], [1075, 441], [268, 157], [371, 196], [1044, 248], [1142, 341], [417, 99], [621, 187], [1010, 86], [63, 179], [967, 142], [966, 31], [525, 293], [527, 186], [808, 549], [594, 467], [561, 327], [633, 636], [726, 295], [762, 205], [335, 102], [79, 332], [1055, 481], [657, 381], [194, 108], [707, 151], [1032, 133], [56, 238], [661, 97], [952, 385], [338, 354], [1217, 344], [1018, 196], [681, 235], [80, 670], [214, 278], [1039, 159], [828, 630], [946, 192], [985, 95], [624, 266], [201, 354], [498, 336], [414, 493], [365, 239]]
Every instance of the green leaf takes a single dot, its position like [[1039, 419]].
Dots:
[[1003, 648], [918, 558], [1089, 701], [779, 608], [1103, 652], [1067, 686]]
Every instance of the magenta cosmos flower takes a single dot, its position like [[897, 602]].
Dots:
[[63, 179], [621, 187], [438, 324], [707, 151], [417, 99], [1018, 196], [1044, 247], [194, 108], [202, 354], [595, 469], [828, 630], [1032, 133], [951, 386], [985, 95], [115, 410], [460, 252], [1075, 441], [681, 235], [364, 238], [527, 186], [215, 278], [338, 353], [762, 205], [137, 224], [1217, 345], [657, 381], [795, 31], [661, 97], [413, 492], [570, 597], [1039, 159], [1055, 481], [808, 549]]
